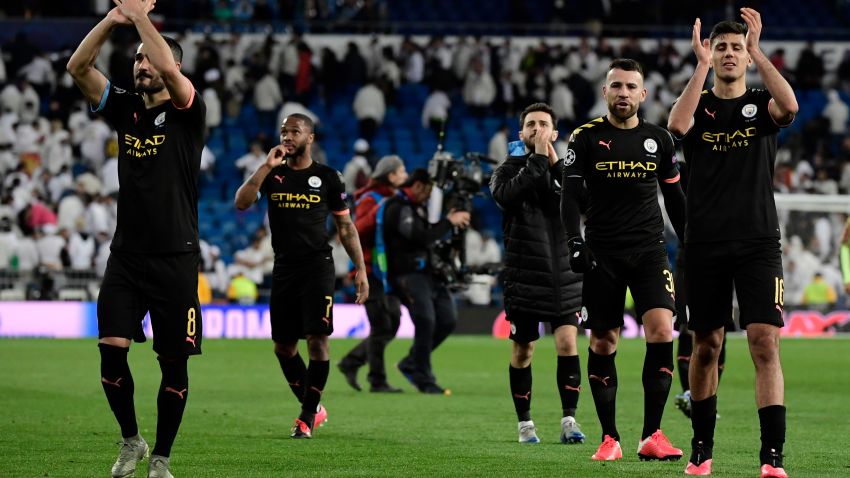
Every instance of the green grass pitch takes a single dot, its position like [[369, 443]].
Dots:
[[55, 421]]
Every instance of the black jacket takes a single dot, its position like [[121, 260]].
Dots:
[[408, 235], [538, 281]]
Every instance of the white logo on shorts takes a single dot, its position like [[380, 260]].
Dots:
[[314, 181], [583, 316], [513, 328]]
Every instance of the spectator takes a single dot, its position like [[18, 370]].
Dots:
[[435, 111], [497, 149], [479, 89], [818, 294], [267, 100], [250, 262], [242, 290], [413, 61], [837, 113], [356, 172], [369, 109], [250, 161], [81, 248], [205, 293]]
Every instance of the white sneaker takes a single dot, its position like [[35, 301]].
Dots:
[[570, 431], [683, 402], [158, 467], [133, 450], [528, 432]]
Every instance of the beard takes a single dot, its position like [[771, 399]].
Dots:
[[617, 113], [155, 85], [297, 152]]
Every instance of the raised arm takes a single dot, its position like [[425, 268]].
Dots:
[[247, 193], [350, 240], [682, 114], [159, 53], [81, 64], [783, 108]]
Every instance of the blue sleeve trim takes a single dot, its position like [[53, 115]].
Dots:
[[103, 98]]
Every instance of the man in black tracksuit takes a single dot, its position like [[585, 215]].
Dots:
[[539, 285], [408, 236]]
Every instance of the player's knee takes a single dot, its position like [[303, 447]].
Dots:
[[764, 349], [287, 350], [317, 347], [175, 372], [522, 354]]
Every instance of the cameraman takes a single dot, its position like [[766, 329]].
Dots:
[[539, 285], [408, 237]]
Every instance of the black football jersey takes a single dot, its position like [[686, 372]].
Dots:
[[731, 149], [621, 169], [299, 202], [158, 162]]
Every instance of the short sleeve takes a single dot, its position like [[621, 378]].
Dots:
[[336, 194], [574, 161], [668, 171], [116, 105], [766, 122]]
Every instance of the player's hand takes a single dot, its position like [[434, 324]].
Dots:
[[753, 20], [116, 16], [542, 143], [134, 9], [553, 155], [458, 218], [702, 48], [581, 259], [361, 285], [275, 156]]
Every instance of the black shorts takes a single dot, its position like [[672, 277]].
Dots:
[[164, 285], [753, 268], [301, 301], [646, 274], [526, 328], [682, 310]]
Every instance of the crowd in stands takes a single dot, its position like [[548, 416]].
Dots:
[[58, 161]]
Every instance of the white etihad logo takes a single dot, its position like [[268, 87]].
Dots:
[[314, 181], [650, 145], [570, 158], [159, 119], [749, 110]]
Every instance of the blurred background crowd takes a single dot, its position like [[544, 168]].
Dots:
[[380, 78]]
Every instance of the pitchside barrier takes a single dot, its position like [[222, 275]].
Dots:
[[79, 320]]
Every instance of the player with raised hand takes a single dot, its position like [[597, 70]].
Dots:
[[301, 194], [153, 265], [729, 140]]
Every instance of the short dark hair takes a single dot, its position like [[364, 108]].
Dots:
[[626, 64], [176, 49], [727, 26], [538, 107], [419, 175], [306, 119]]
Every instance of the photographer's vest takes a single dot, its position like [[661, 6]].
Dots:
[[379, 251], [380, 265]]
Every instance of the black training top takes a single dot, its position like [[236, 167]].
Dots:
[[620, 168], [299, 203], [158, 162], [730, 150]]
